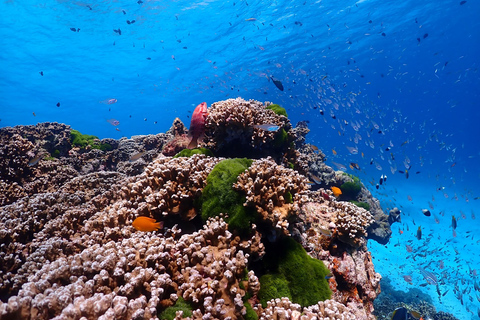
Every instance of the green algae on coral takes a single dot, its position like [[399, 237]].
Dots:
[[251, 314], [82, 140], [293, 274], [350, 190], [281, 138], [278, 110], [180, 305], [218, 196], [363, 205], [191, 152]]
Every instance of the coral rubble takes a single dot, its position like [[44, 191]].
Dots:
[[69, 250]]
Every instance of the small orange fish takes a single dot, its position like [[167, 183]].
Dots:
[[336, 191], [334, 152], [400, 231], [147, 224]]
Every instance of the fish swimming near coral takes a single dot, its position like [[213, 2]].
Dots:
[[197, 125], [136, 156], [336, 191], [403, 313], [36, 159], [147, 224], [267, 127]]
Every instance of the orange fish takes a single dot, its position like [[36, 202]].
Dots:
[[336, 191], [334, 152], [147, 224]]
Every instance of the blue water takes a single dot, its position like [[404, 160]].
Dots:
[[407, 69]]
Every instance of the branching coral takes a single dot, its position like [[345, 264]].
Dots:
[[170, 186], [232, 128], [271, 189]]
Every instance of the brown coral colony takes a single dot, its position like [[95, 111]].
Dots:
[[69, 250]]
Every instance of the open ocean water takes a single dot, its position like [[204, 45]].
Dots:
[[390, 85]]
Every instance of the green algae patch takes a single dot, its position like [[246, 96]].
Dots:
[[218, 196], [363, 205], [281, 138], [191, 152], [251, 314], [180, 305], [293, 274], [82, 140], [350, 190], [278, 110]]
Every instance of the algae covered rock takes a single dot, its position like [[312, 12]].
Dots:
[[278, 110], [294, 274], [218, 196], [191, 152]]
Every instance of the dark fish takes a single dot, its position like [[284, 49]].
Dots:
[[41, 73], [58, 104], [277, 83], [118, 31], [463, 2], [322, 112], [425, 35], [298, 23], [377, 186], [419, 233], [73, 29], [426, 212], [406, 174], [454, 223]]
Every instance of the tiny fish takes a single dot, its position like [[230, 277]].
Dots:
[[109, 101], [316, 179], [34, 114], [136, 156], [35, 160], [251, 19], [277, 83], [454, 223], [419, 233], [408, 279], [463, 2], [113, 122], [426, 212], [328, 276], [147, 224], [58, 104], [267, 127], [325, 232], [354, 165]]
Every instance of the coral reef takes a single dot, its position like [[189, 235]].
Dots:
[[270, 188], [69, 250], [413, 299], [231, 130]]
